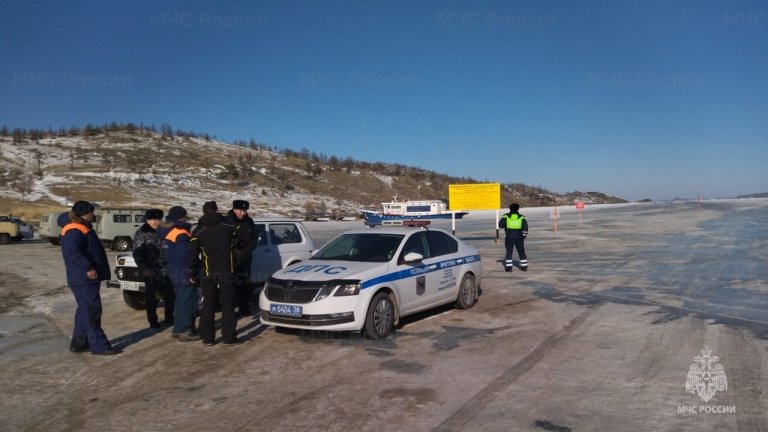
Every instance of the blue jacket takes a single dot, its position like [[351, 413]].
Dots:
[[82, 251], [176, 247]]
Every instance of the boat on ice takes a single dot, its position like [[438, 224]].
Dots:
[[411, 210]]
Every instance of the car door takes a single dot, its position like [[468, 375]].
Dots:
[[419, 289], [265, 258], [288, 238], [444, 250]]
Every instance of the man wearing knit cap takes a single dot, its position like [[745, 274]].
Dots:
[[244, 244], [210, 259], [87, 265], [175, 237], [150, 259]]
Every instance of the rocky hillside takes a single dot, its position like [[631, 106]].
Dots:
[[141, 166]]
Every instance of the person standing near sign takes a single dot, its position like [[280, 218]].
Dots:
[[516, 228]]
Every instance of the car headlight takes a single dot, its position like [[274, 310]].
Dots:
[[120, 273], [348, 289]]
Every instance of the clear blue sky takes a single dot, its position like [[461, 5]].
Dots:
[[654, 99]]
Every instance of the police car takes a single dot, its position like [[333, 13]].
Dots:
[[367, 279]]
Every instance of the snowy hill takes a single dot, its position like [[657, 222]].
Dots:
[[137, 166]]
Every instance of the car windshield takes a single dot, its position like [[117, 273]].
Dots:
[[373, 247]]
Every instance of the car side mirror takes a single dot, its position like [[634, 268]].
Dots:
[[413, 257]]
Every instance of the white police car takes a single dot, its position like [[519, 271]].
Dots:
[[367, 279]]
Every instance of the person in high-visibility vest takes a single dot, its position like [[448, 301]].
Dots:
[[516, 228]]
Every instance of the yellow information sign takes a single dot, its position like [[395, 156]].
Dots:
[[474, 196]]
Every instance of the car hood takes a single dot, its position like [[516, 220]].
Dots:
[[323, 270], [126, 259]]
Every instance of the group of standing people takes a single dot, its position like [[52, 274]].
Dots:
[[173, 260]]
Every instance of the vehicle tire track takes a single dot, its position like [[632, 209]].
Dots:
[[468, 411], [744, 383]]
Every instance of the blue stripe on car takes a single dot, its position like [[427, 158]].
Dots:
[[416, 271]]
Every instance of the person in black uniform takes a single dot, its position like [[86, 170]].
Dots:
[[244, 244], [211, 261], [150, 259], [516, 228]]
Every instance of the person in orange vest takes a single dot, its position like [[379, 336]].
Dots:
[[175, 237], [516, 228], [87, 265]]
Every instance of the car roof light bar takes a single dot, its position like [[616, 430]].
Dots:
[[408, 223]]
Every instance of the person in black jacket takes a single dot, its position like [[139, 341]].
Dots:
[[516, 228], [150, 259], [211, 261], [244, 244], [87, 265]]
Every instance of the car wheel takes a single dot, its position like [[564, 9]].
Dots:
[[380, 321], [5, 239], [121, 244], [134, 300], [467, 292]]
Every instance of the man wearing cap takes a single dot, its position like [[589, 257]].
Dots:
[[244, 244], [87, 265], [175, 237], [211, 259], [150, 259], [516, 228]]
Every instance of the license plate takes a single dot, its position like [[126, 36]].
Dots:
[[129, 286], [287, 310]]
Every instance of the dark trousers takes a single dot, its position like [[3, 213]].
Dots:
[[185, 308], [511, 243], [244, 291], [223, 290], [158, 285], [88, 332]]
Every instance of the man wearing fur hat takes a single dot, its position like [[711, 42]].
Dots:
[[244, 244], [87, 265], [150, 259]]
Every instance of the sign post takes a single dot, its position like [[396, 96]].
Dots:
[[474, 196], [579, 208], [554, 215]]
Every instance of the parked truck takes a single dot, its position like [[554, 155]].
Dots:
[[117, 225], [8, 230]]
